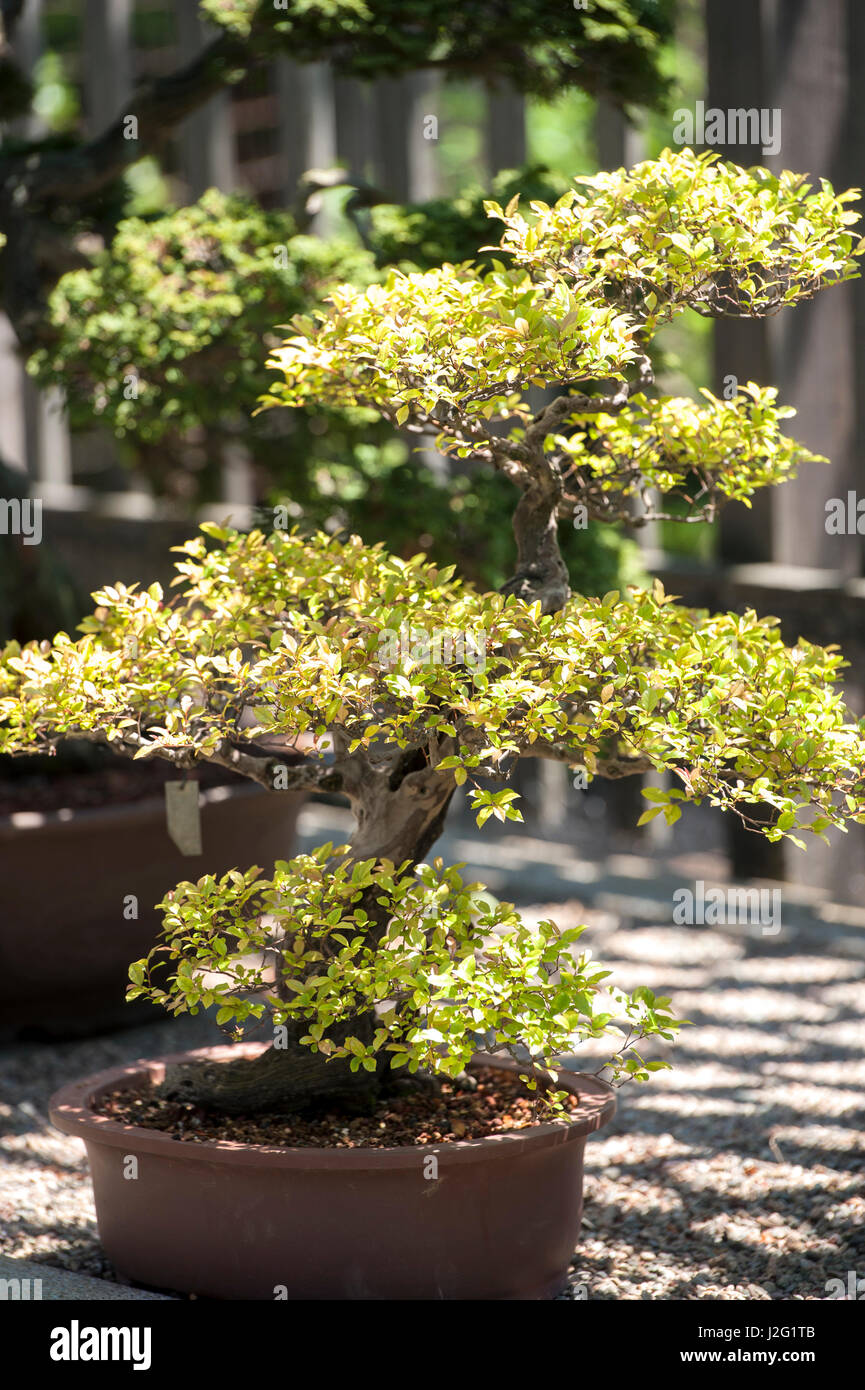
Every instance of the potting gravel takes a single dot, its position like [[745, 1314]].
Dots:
[[738, 1175]]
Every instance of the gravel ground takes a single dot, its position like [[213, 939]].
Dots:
[[738, 1175]]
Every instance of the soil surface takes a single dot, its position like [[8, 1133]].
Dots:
[[498, 1105]]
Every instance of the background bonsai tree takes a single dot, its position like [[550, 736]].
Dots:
[[413, 682], [184, 299]]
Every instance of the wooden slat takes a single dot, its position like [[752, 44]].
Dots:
[[206, 144], [505, 129], [106, 68], [307, 126], [405, 161]]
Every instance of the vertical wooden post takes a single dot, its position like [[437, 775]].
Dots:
[[739, 75], [802, 60], [406, 164], [208, 160], [106, 61], [14, 450], [618, 144], [53, 479], [307, 126], [206, 144], [819, 347], [28, 47], [392, 118], [238, 484], [355, 142], [815, 345], [505, 129], [422, 135], [18, 397], [405, 112], [553, 794]]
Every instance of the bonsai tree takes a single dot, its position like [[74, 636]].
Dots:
[[137, 338], [409, 682]]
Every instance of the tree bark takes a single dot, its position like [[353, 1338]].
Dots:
[[541, 574], [290, 1077]]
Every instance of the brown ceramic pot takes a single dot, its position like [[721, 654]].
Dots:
[[65, 944], [239, 1221]]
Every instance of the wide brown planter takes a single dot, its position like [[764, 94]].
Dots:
[[65, 944], [239, 1221]]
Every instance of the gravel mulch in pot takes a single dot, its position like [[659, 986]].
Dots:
[[497, 1105]]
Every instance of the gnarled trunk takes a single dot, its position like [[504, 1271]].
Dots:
[[399, 814], [285, 1077]]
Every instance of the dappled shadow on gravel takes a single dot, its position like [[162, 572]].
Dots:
[[740, 1174]]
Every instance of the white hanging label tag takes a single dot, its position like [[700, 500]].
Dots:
[[182, 815]]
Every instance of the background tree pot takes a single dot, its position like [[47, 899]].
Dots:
[[65, 947], [494, 1218], [99, 821]]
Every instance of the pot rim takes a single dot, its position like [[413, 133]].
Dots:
[[71, 1111]]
